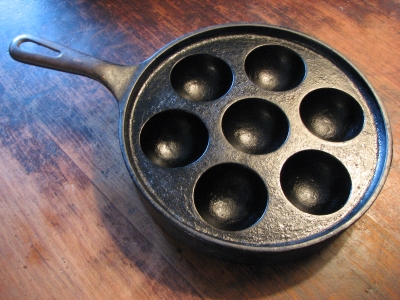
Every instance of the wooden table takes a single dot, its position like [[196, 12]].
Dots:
[[71, 223]]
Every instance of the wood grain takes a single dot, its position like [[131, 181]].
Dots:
[[71, 222]]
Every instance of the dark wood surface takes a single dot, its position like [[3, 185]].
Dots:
[[71, 223]]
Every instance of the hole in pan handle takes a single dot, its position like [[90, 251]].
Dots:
[[115, 77]]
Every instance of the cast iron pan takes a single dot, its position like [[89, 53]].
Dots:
[[248, 142]]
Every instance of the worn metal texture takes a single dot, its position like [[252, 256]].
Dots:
[[272, 182]]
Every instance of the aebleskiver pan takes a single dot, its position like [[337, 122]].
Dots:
[[248, 142]]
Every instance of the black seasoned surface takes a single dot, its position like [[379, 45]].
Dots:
[[297, 115]]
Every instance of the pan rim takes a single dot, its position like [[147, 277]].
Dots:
[[380, 174]]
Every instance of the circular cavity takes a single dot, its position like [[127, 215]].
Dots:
[[201, 77], [315, 182], [230, 197], [174, 138], [255, 126], [332, 115], [275, 68]]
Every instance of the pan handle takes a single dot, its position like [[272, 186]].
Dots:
[[115, 77]]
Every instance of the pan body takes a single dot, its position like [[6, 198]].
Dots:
[[254, 143]]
